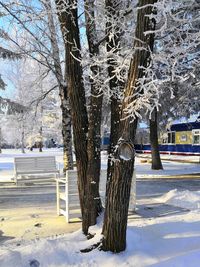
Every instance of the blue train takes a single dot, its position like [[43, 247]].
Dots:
[[181, 139]]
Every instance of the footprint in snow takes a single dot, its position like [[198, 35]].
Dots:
[[38, 225], [34, 263]]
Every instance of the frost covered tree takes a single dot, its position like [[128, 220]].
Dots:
[[119, 63], [65, 107], [177, 55], [9, 108], [132, 100], [94, 119], [175, 61], [116, 211], [37, 36], [86, 123], [42, 120], [68, 16], [5, 54]]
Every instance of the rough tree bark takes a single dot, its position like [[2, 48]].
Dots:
[[22, 136], [112, 9], [155, 154], [40, 143], [115, 220], [0, 140], [65, 108], [66, 129], [94, 122], [68, 17]]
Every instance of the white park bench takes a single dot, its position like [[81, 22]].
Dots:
[[68, 196], [29, 166]]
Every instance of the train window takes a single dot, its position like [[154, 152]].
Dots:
[[171, 138], [196, 137], [183, 138]]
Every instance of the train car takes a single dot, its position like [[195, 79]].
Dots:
[[182, 139]]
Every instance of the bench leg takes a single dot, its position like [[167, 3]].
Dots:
[[67, 201], [58, 197], [15, 179]]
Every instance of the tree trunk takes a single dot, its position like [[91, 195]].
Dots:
[[22, 118], [0, 140], [94, 122], [115, 220], [40, 145], [65, 107], [66, 134], [68, 18], [155, 154], [22, 142], [112, 9]]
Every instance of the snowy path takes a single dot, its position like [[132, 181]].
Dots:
[[45, 195]]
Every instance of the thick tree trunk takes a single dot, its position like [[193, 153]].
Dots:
[[112, 9], [94, 161], [0, 140], [68, 17], [66, 134], [114, 134], [94, 122], [115, 220], [155, 154]]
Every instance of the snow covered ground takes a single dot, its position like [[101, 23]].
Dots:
[[143, 170], [169, 241], [165, 232]]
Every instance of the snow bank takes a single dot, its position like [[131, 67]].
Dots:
[[184, 199]]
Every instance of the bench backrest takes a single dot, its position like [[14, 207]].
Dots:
[[35, 163], [71, 176]]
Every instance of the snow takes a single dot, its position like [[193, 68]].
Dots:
[[184, 199], [170, 168], [171, 164], [172, 240], [167, 241]]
